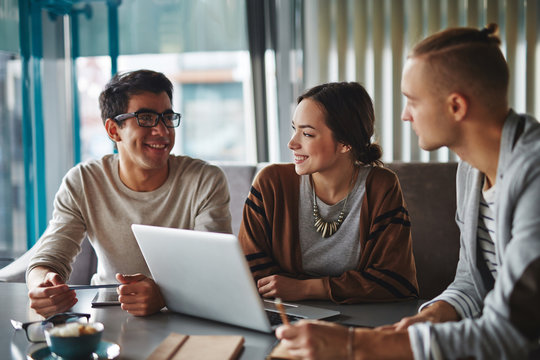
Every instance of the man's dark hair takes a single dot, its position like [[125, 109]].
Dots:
[[349, 114], [114, 99]]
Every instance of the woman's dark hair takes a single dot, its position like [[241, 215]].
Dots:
[[114, 99], [350, 116]]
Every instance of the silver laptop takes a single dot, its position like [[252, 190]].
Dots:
[[206, 275]]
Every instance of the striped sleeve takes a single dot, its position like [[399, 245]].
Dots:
[[465, 305], [399, 216], [255, 236], [424, 343]]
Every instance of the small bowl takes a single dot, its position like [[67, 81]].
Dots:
[[74, 340]]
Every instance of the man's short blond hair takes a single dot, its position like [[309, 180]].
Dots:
[[468, 61]]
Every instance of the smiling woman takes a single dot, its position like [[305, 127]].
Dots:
[[334, 224]]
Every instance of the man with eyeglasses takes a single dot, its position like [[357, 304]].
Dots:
[[143, 184]]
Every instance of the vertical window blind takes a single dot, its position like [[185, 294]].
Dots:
[[368, 41]]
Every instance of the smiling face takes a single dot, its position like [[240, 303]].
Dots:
[[143, 149], [426, 108], [312, 143]]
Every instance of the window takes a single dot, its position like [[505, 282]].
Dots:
[[12, 180], [92, 75]]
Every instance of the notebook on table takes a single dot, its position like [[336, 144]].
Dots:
[[206, 275]]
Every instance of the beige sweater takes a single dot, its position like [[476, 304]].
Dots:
[[92, 201]]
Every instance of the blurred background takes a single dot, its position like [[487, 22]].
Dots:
[[237, 67]]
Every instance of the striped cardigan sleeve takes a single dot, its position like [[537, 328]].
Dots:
[[386, 270], [256, 232]]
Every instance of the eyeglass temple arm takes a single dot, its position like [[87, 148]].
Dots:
[[17, 325], [123, 117]]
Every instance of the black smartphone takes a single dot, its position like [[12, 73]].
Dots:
[[105, 297]]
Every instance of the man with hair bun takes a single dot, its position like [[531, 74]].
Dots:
[[456, 84]]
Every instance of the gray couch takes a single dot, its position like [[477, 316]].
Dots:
[[429, 190]]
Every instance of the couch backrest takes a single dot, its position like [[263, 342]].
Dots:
[[430, 193], [239, 178], [83, 267]]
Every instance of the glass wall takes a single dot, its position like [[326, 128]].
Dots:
[[12, 191], [12, 206], [92, 75]]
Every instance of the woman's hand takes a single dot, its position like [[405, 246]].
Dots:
[[290, 289]]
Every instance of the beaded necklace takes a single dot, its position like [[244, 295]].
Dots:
[[329, 228]]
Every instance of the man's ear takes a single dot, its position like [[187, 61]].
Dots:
[[112, 127], [458, 106]]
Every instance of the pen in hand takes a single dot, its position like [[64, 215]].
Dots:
[[281, 309], [84, 287]]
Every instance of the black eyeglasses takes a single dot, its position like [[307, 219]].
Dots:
[[35, 330], [148, 118]]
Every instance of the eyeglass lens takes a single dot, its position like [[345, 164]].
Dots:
[[151, 119], [36, 331]]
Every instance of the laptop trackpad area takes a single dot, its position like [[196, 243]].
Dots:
[[275, 318]]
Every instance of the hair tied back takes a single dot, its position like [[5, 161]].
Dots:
[[490, 29]]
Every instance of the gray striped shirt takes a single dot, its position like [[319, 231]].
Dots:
[[486, 229]]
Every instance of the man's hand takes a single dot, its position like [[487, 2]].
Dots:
[[438, 312], [290, 289], [314, 340], [319, 340], [140, 295], [48, 293]]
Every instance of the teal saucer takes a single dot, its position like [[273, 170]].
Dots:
[[105, 350]]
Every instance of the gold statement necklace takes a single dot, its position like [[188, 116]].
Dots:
[[322, 226]]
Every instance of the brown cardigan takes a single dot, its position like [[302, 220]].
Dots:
[[269, 236]]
